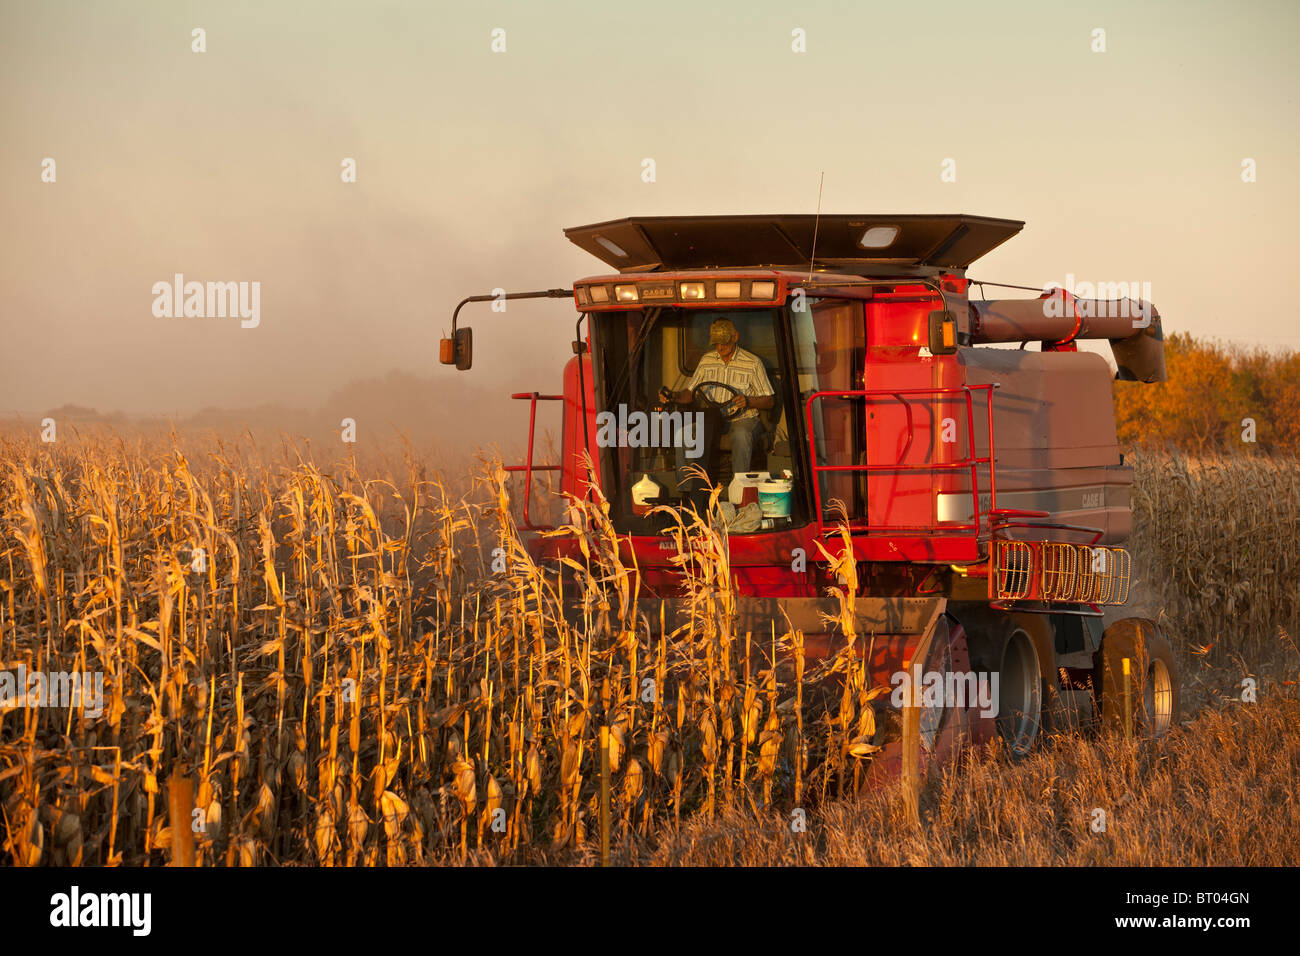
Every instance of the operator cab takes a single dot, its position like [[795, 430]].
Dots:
[[800, 293], [651, 448]]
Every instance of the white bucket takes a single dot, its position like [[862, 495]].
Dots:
[[774, 498]]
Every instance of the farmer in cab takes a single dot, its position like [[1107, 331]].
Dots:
[[733, 381]]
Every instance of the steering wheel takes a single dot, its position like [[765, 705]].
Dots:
[[720, 405]]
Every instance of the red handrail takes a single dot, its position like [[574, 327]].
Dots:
[[528, 467], [970, 462]]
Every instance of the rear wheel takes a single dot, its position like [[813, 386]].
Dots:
[[1017, 649], [1152, 680], [1020, 693]]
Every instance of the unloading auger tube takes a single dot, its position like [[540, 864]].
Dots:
[[1131, 326]]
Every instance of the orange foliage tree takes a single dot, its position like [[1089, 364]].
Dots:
[[1213, 394]]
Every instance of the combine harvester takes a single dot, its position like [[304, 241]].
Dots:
[[983, 487]]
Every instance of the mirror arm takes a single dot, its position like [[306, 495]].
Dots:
[[544, 294], [458, 348]]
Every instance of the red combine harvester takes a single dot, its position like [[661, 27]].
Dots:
[[831, 366]]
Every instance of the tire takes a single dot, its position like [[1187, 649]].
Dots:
[[1018, 648], [1020, 692], [1153, 678]]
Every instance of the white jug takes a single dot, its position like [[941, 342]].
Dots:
[[736, 491], [645, 494]]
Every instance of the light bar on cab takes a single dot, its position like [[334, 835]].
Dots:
[[659, 290]]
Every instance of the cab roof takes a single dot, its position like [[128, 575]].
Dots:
[[844, 242]]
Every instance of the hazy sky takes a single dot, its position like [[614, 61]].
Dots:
[[225, 165]]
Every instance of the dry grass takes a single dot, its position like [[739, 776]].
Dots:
[[370, 669], [1218, 791]]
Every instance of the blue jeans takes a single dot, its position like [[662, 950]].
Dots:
[[745, 434]]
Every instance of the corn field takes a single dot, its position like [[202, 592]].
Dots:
[[1219, 540], [317, 659], [346, 666]]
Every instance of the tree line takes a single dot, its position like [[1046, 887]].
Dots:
[[1217, 399]]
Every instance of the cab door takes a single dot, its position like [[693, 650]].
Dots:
[[830, 350]]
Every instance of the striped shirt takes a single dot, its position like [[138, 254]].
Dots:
[[745, 372]]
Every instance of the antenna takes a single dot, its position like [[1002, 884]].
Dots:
[[816, 222]]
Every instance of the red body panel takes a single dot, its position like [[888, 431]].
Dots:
[[579, 444]]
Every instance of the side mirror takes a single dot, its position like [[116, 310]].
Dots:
[[458, 351], [943, 332]]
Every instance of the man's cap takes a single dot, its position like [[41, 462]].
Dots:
[[722, 330]]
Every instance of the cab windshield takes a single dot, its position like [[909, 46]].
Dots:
[[692, 399]]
